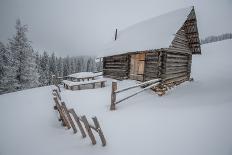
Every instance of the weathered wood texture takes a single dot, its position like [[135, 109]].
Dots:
[[113, 95], [116, 67], [63, 116], [177, 59], [77, 119], [137, 66], [99, 130], [69, 117], [190, 27], [88, 129], [152, 63]]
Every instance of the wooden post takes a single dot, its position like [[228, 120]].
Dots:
[[58, 88], [113, 95], [77, 119], [97, 125], [69, 117], [61, 112], [88, 129]]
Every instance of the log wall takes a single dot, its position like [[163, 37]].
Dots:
[[152, 65], [177, 59], [116, 67]]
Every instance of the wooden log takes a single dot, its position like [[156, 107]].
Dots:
[[88, 129], [177, 60], [57, 93], [69, 117], [61, 112], [77, 119], [101, 135], [176, 65], [178, 50], [113, 95]]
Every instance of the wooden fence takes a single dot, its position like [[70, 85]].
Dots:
[[114, 92], [66, 116]]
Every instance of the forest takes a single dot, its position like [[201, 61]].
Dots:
[[21, 67]]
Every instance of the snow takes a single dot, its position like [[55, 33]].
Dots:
[[85, 75], [193, 118], [154, 33], [71, 83]]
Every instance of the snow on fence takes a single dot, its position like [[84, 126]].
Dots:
[[67, 115], [148, 84]]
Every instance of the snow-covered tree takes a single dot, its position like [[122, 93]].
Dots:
[[24, 58], [60, 67], [44, 69], [8, 81], [52, 67]]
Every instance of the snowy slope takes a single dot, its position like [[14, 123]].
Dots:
[[198, 122], [154, 33]]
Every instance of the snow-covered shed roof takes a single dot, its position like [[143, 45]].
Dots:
[[154, 33]]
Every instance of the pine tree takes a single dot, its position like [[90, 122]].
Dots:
[[60, 67], [8, 82], [44, 69], [24, 58], [52, 67]]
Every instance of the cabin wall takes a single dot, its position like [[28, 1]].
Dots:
[[177, 59], [152, 65], [116, 67]]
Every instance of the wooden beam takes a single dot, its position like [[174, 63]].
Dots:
[[88, 129], [77, 119], [101, 135], [69, 117], [113, 95]]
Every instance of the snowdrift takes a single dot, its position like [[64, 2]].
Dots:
[[193, 118]]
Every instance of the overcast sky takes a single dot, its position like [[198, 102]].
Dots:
[[82, 27]]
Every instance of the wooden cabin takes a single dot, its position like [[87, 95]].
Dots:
[[161, 47]]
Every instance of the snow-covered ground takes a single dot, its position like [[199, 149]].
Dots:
[[194, 118]]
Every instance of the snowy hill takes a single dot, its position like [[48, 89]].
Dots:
[[198, 123]]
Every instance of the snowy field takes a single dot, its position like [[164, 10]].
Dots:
[[194, 118]]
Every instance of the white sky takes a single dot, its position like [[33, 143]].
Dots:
[[82, 27]]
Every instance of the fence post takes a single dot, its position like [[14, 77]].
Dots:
[[97, 125], [113, 95], [61, 112], [69, 117], [88, 129], [78, 122]]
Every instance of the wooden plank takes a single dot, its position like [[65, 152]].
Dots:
[[113, 95], [77, 119], [97, 126], [61, 112], [69, 117], [177, 61], [176, 65], [174, 76], [119, 70], [88, 129]]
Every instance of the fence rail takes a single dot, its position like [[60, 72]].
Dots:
[[114, 92]]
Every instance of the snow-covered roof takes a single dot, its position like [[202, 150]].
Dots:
[[154, 33]]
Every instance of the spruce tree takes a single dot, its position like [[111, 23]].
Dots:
[[24, 58]]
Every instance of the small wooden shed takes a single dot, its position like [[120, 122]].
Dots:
[[161, 47]]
